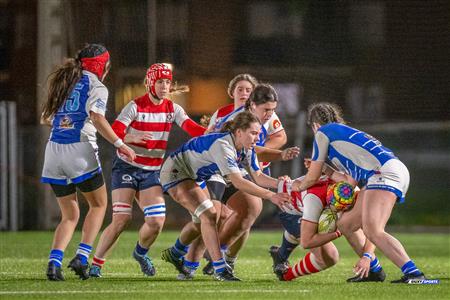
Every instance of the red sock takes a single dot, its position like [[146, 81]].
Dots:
[[98, 261], [305, 266]]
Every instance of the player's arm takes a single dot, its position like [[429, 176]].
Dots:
[[311, 177], [186, 123], [247, 186], [108, 133], [310, 238], [362, 266], [269, 154], [263, 180], [276, 140]]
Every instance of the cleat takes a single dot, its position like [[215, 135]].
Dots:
[[280, 270], [189, 276], [278, 263], [146, 264], [226, 275], [95, 271], [208, 269], [379, 276], [167, 256], [81, 270], [409, 278], [54, 273]]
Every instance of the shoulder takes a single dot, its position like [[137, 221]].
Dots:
[[225, 110]]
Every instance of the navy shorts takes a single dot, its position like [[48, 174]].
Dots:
[[124, 175], [291, 223]]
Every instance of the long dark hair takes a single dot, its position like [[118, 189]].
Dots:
[[261, 94], [324, 113], [63, 79], [242, 121]]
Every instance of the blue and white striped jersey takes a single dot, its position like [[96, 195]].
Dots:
[[214, 153], [71, 123], [353, 152]]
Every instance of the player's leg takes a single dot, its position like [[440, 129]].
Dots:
[[246, 208], [190, 196], [290, 240], [70, 213], [151, 202], [377, 209], [122, 201], [350, 225], [316, 260], [94, 191]]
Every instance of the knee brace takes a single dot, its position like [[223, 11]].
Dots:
[[204, 206], [155, 210], [122, 208]]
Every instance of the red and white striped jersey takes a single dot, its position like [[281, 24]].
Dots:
[[143, 116], [219, 114], [309, 203]]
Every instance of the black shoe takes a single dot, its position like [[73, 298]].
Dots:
[[409, 278], [278, 262], [81, 270], [208, 269], [226, 275], [54, 273], [280, 270], [379, 276], [167, 256]]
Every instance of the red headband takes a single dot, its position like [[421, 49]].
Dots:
[[95, 64]]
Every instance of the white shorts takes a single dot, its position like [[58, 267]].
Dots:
[[393, 176], [70, 163], [172, 173]]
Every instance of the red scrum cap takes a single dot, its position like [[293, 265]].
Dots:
[[154, 73]]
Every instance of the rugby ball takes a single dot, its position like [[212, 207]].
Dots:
[[327, 221]]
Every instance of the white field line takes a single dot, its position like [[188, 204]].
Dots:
[[196, 291]]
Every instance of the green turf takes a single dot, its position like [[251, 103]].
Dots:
[[23, 259]]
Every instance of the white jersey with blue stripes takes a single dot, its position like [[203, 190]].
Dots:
[[71, 123], [352, 151], [214, 153]]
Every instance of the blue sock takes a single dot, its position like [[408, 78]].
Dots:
[[219, 265], [56, 256], [410, 268], [140, 250], [83, 252], [286, 248], [191, 265], [178, 250], [375, 265]]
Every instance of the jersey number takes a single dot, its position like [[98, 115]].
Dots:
[[73, 102]]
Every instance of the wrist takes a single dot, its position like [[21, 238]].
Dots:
[[367, 255], [118, 143]]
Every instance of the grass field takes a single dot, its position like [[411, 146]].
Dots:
[[23, 260]]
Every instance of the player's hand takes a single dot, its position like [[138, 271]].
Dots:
[[138, 138], [127, 153], [362, 267], [290, 153], [307, 162], [296, 185], [281, 200], [284, 178]]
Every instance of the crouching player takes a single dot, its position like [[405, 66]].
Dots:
[[301, 226]]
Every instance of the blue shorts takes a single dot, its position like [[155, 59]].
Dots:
[[291, 223], [124, 176]]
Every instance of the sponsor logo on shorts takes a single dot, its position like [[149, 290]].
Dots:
[[126, 178]]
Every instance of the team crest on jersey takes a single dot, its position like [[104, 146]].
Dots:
[[276, 124], [66, 123], [170, 117]]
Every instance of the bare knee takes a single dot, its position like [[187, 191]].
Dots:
[[332, 257], [121, 223], [373, 234], [71, 217], [155, 223], [209, 216]]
